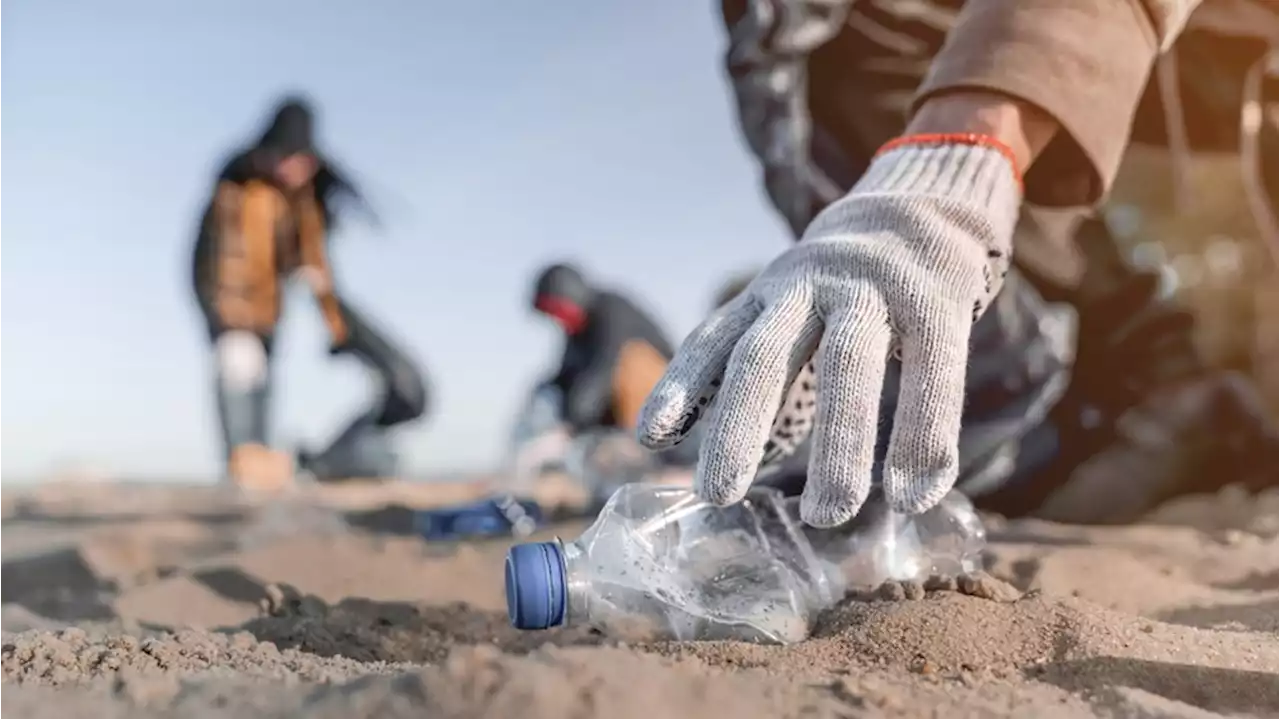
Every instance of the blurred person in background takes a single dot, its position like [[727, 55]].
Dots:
[[900, 140], [272, 208], [614, 352]]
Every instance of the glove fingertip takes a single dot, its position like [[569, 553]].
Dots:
[[662, 423], [818, 509], [915, 492], [671, 412], [718, 488], [658, 442]]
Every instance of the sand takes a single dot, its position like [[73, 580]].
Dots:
[[136, 601]]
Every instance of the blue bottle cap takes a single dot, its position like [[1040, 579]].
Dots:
[[536, 590]]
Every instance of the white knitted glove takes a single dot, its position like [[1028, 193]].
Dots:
[[907, 261]]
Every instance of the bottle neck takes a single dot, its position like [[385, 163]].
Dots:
[[577, 585]]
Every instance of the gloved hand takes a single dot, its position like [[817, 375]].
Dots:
[[904, 264]]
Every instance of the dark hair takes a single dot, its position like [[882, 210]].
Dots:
[[291, 132]]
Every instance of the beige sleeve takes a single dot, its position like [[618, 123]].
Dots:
[[1084, 62]]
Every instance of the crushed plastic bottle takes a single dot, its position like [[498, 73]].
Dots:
[[660, 560], [881, 545]]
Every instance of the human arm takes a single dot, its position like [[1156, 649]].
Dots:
[[1065, 74], [317, 271], [909, 258]]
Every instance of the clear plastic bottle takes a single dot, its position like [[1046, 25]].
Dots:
[[880, 544], [660, 562]]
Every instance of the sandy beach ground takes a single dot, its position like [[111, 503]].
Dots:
[[148, 601]]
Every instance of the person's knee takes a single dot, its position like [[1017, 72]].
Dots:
[[241, 361], [415, 398], [638, 368], [406, 396]]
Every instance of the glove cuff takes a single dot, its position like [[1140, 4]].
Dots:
[[969, 169]]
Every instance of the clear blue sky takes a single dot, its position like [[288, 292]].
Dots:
[[494, 136]]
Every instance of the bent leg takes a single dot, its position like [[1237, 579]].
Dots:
[[639, 367], [363, 448], [404, 393]]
